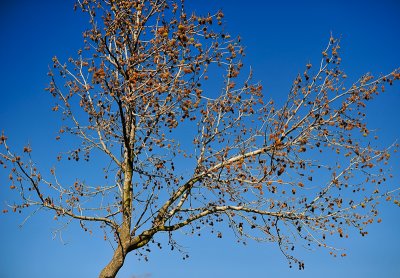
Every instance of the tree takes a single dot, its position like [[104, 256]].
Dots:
[[183, 157]]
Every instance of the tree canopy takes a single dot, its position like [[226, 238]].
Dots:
[[179, 154]]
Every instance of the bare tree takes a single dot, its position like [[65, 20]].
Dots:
[[181, 155]]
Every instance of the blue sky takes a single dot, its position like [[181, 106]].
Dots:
[[280, 38]]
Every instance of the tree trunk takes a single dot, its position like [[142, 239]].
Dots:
[[117, 261]]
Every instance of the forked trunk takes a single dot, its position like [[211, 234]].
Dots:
[[112, 268]]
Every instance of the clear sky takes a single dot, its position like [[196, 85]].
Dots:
[[280, 38]]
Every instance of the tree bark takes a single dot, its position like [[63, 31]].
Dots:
[[117, 261]]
